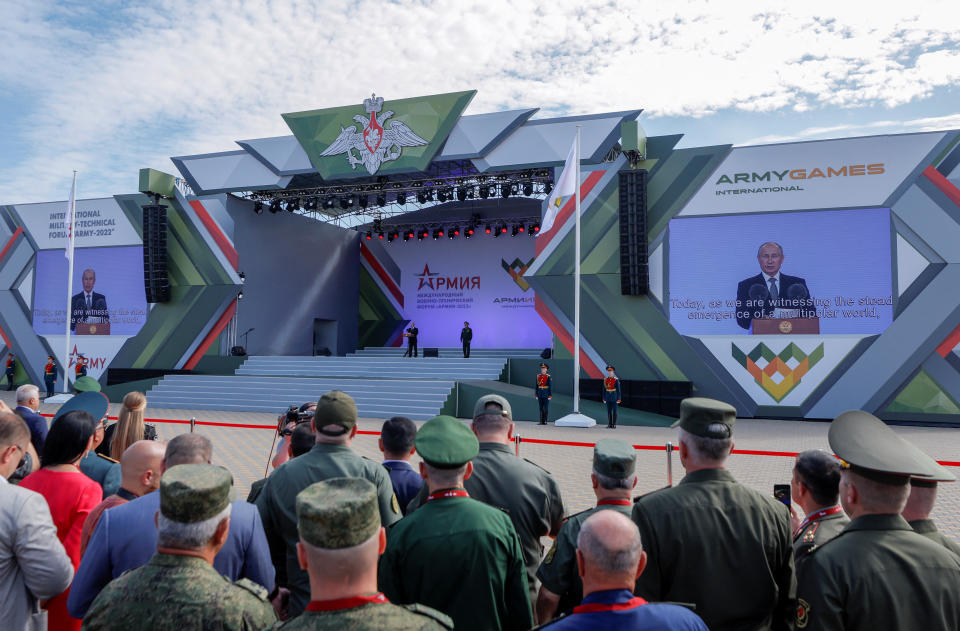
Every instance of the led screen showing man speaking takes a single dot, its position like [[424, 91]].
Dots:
[[107, 297], [831, 267]]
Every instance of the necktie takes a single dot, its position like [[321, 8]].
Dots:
[[774, 294], [89, 305]]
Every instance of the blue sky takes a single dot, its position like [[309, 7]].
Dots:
[[109, 87]]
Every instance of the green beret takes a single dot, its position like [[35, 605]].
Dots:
[[866, 445], [86, 384], [190, 493], [338, 513], [335, 408], [446, 443], [697, 414], [614, 458], [482, 402]]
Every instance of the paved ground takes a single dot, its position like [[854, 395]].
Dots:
[[245, 452]]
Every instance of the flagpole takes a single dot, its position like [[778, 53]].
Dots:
[[576, 287], [71, 238]]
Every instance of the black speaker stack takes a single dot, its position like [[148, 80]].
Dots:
[[634, 276], [156, 282], [659, 397]]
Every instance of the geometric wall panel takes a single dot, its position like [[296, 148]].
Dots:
[[923, 396]]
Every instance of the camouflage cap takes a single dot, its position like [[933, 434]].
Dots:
[[335, 408], [190, 493], [870, 448], [614, 458], [86, 384], [481, 406], [697, 414], [338, 513], [446, 443]]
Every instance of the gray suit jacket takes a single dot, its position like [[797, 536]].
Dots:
[[33, 563]]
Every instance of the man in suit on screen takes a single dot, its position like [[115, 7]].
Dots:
[[771, 294], [88, 305]]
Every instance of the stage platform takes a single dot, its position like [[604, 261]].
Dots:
[[452, 352]]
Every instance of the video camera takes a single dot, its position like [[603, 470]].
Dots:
[[292, 415]]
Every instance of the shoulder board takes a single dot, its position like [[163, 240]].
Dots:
[[640, 497], [254, 588], [572, 515], [423, 610], [537, 466], [811, 533], [99, 455]]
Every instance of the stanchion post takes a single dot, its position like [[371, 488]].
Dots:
[[193, 423], [516, 443], [669, 463]]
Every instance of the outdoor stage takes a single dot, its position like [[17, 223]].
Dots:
[[342, 234]]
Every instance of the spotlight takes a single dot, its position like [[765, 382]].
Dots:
[[380, 236], [368, 236], [407, 235], [506, 189], [548, 187], [514, 230], [488, 229], [437, 233], [258, 208], [484, 191], [393, 234], [442, 195], [344, 203], [521, 228], [401, 198], [503, 229], [381, 199], [453, 233], [421, 235], [240, 295], [364, 201], [275, 206], [534, 228], [293, 204], [463, 193], [330, 202], [528, 188], [422, 197], [500, 229], [468, 233]]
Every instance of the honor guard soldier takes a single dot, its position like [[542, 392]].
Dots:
[[335, 422], [454, 553], [81, 367], [50, 375], [411, 335], [611, 395], [878, 573], [614, 478], [815, 489], [923, 496], [11, 370], [340, 541], [609, 558], [713, 542], [544, 392], [466, 336], [179, 589]]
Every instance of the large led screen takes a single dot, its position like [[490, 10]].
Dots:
[[832, 267], [107, 296]]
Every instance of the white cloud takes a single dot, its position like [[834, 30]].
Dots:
[[932, 123], [175, 77]]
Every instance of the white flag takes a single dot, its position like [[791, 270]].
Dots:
[[71, 216], [565, 188]]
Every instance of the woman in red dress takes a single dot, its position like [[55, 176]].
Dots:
[[69, 493]]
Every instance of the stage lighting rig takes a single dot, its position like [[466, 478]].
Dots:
[[422, 197], [368, 236], [421, 234], [514, 230], [488, 229], [528, 188], [468, 233], [453, 233], [364, 201], [393, 234], [258, 207], [534, 229], [401, 198], [548, 187], [437, 233], [275, 206], [380, 236]]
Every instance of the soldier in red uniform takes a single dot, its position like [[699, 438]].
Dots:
[[81, 366], [50, 375], [611, 395], [11, 370], [544, 392]]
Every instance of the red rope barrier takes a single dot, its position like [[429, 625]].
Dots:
[[539, 441]]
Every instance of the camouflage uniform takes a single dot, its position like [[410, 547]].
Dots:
[[180, 592], [342, 513]]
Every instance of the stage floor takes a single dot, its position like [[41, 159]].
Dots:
[[245, 451]]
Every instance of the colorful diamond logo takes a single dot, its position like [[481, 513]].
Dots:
[[777, 373]]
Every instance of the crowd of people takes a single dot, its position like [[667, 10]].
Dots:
[[334, 540]]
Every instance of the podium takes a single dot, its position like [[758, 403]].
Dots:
[[786, 326], [86, 328]]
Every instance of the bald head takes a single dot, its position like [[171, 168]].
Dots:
[[141, 465], [609, 552]]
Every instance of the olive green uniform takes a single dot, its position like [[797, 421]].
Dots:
[[461, 557], [720, 546], [558, 572], [879, 574], [370, 617], [179, 593], [928, 529], [815, 534], [527, 493], [277, 503]]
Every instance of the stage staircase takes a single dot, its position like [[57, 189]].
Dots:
[[383, 386]]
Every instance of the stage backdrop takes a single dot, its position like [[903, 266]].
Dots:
[[439, 284]]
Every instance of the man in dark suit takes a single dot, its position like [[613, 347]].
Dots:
[[28, 402], [411, 336], [396, 443], [88, 305], [466, 336], [771, 294]]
